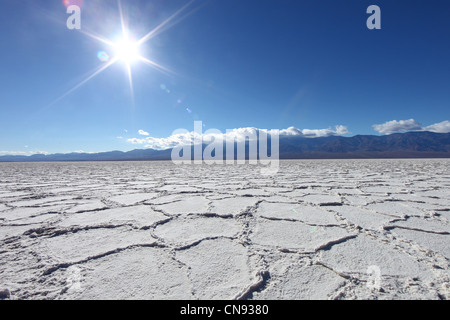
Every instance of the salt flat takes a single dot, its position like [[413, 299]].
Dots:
[[318, 229]]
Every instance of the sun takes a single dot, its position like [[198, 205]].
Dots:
[[127, 50]]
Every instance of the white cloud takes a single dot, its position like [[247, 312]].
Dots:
[[411, 125], [397, 126], [13, 153], [143, 133], [239, 135], [341, 130], [441, 127], [314, 133], [291, 131], [21, 153]]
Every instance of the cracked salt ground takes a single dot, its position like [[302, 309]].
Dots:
[[26, 215], [74, 245], [296, 212], [134, 198], [362, 217], [136, 273], [138, 216], [296, 277], [322, 200], [231, 206], [186, 205], [184, 231], [318, 229], [218, 268], [395, 209], [296, 236]]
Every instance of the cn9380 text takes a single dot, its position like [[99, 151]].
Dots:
[[246, 309]]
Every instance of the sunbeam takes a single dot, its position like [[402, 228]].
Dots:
[[156, 66], [130, 80], [155, 31], [95, 73], [96, 37]]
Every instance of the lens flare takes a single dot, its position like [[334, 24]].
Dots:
[[103, 56], [69, 3]]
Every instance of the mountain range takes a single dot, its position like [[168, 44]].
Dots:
[[421, 144]]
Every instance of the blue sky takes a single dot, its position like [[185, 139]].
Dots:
[[269, 64]]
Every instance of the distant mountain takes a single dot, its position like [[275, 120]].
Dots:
[[400, 145], [133, 155]]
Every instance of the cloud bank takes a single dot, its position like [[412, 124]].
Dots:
[[22, 153], [395, 126], [239, 135], [315, 133], [441, 127]]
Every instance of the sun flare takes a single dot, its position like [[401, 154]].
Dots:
[[127, 50]]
